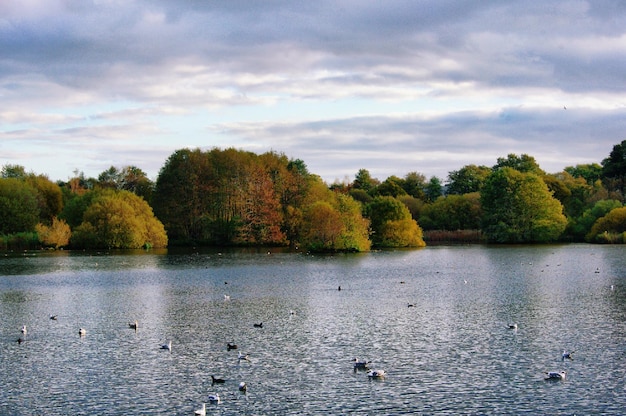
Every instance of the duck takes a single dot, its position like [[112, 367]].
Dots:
[[82, 332], [241, 356], [512, 326], [230, 346], [217, 380], [201, 411], [567, 355], [376, 374], [243, 387], [53, 317], [167, 346], [556, 375], [133, 325], [360, 365], [214, 398], [260, 325]]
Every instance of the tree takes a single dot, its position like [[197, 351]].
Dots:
[[119, 219], [414, 185], [518, 208], [56, 235], [610, 228], [453, 212], [18, 205], [392, 224], [434, 189], [589, 172], [392, 186], [363, 180], [523, 163], [13, 171], [49, 197], [614, 168], [469, 178]]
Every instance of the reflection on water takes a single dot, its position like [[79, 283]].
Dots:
[[451, 352]]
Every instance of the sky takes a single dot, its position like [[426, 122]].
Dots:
[[393, 86]]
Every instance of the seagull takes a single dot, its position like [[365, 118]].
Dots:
[[376, 374], [167, 346], [214, 398], [258, 325], [82, 332], [133, 325], [513, 326], [567, 355], [243, 387], [230, 346], [217, 380], [555, 375], [241, 356], [226, 297], [24, 331], [201, 411], [360, 365]]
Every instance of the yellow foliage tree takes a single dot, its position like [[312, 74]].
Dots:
[[56, 235]]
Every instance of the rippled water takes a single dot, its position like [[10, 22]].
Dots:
[[451, 353]]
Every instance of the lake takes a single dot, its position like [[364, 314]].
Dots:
[[450, 352]]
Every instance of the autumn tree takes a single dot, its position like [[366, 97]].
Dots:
[[18, 205], [392, 224], [119, 219], [56, 235], [519, 208], [610, 228]]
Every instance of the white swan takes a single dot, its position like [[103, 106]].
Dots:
[[167, 346], [556, 375], [377, 374], [214, 398], [201, 411]]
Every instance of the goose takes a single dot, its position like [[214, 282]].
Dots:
[[133, 325], [243, 387], [241, 356], [567, 355], [258, 325], [555, 375], [230, 346], [214, 398], [82, 332], [167, 346], [201, 411], [217, 380], [376, 374], [360, 364]]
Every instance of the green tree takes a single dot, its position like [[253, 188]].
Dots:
[[610, 228], [392, 186], [363, 180], [392, 224], [523, 163], [614, 169], [453, 212], [434, 189], [18, 205], [49, 197], [119, 219], [468, 179], [13, 171], [589, 172], [518, 208], [414, 184]]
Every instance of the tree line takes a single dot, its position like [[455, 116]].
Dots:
[[234, 197]]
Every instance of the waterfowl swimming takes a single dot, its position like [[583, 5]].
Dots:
[[258, 325], [214, 398], [512, 326], [376, 374], [53, 317], [230, 346], [555, 375], [133, 325], [217, 380], [361, 365], [82, 332], [243, 387], [241, 356], [167, 346], [567, 355], [24, 331], [20, 340], [201, 411], [226, 297]]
